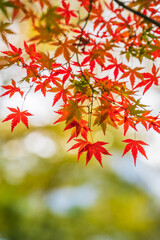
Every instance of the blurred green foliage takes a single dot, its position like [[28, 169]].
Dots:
[[27, 180]]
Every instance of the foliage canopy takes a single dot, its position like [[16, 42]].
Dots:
[[91, 68]]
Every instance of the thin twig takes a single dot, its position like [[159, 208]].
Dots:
[[151, 20]]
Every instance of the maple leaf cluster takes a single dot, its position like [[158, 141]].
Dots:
[[89, 70]]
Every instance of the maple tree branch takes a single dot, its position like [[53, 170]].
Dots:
[[87, 18], [24, 99], [80, 39], [90, 109], [151, 20]]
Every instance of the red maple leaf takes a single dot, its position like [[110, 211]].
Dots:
[[156, 53], [97, 16], [96, 55], [79, 128], [17, 116], [134, 146], [14, 51], [65, 12], [31, 51], [128, 122], [14, 55], [12, 89], [85, 4], [118, 66], [65, 72], [32, 71], [95, 149], [150, 79], [42, 86], [154, 123], [61, 92], [132, 73]]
